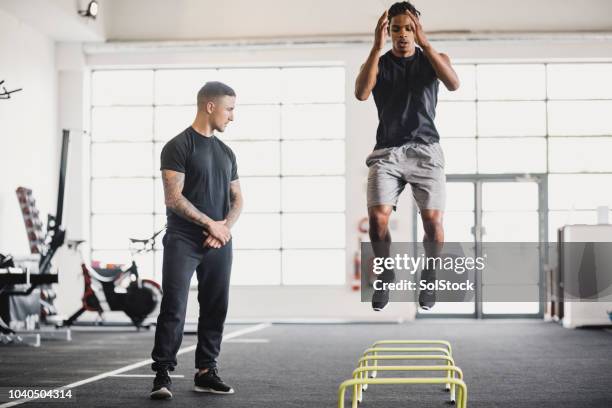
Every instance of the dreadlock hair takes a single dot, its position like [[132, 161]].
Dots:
[[400, 8]]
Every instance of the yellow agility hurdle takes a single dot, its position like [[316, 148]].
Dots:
[[374, 351], [363, 371], [413, 342], [462, 394], [363, 361], [396, 342]]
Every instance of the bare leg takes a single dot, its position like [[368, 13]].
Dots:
[[433, 242], [381, 242]]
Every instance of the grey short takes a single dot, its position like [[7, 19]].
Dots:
[[417, 164]]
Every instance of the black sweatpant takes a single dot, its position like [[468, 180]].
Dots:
[[183, 253]]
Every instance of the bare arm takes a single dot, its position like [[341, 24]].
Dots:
[[236, 203], [175, 200], [444, 70], [366, 79], [440, 62]]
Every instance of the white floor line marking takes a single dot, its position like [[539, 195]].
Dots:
[[137, 365], [144, 375], [248, 341]]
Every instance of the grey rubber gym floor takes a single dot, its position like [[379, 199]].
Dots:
[[507, 363]]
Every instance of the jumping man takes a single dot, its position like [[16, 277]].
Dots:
[[404, 82]]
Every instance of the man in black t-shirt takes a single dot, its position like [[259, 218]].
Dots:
[[203, 201], [404, 82]]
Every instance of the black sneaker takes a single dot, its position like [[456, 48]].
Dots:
[[427, 298], [380, 299], [211, 382], [162, 386]]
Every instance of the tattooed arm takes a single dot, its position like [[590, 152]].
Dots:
[[176, 201], [236, 203]]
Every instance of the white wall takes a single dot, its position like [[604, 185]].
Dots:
[[29, 137]]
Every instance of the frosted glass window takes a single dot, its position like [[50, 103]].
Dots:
[[257, 231], [510, 226], [114, 231], [510, 196], [459, 196], [313, 194], [456, 119], [313, 158], [579, 191], [261, 194], [158, 257], [511, 118], [460, 155], [580, 154], [160, 203], [256, 267], [314, 267], [253, 85], [467, 89], [134, 114], [576, 118], [145, 262], [121, 196], [512, 155], [318, 121], [457, 226], [579, 81], [557, 219], [513, 307], [257, 158], [181, 86], [511, 81], [313, 231], [122, 124], [308, 85], [126, 87], [450, 308], [254, 122], [158, 147], [121, 159], [172, 120]]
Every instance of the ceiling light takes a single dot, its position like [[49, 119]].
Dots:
[[91, 11]]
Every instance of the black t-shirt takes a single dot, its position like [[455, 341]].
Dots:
[[209, 166], [406, 94]]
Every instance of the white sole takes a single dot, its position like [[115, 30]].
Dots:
[[210, 390], [162, 393]]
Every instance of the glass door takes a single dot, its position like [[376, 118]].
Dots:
[[495, 208]]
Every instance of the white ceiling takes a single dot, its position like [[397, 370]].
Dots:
[[177, 20], [244, 19]]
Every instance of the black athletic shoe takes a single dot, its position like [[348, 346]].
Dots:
[[211, 382], [427, 298], [380, 299], [162, 386]]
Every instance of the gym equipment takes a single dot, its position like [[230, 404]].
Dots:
[[365, 373], [118, 288]]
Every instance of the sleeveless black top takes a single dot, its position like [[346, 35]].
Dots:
[[406, 94]]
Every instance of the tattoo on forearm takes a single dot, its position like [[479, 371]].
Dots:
[[173, 186], [235, 204]]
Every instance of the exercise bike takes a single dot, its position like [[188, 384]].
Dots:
[[118, 288]]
